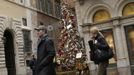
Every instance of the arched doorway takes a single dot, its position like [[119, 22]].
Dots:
[[9, 52]]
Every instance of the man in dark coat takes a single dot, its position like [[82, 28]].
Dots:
[[32, 65], [45, 53]]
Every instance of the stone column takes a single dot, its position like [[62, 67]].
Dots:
[[122, 59]]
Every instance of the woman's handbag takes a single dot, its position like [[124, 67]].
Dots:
[[110, 53], [98, 55], [103, 55]]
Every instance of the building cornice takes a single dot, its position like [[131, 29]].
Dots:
[[112, 23], [41, 12], [126, 17], [108, 21]]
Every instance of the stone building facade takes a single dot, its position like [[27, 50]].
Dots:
[[115, 19], [11, 47], [11, 39]]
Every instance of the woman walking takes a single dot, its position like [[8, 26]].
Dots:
[[99, 43]]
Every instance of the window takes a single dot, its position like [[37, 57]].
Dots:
[[24, 21], [101, 15], [128, 9], [49, 7], [57, 9], [27, 41], [42, 5], [46, 6], [130, 42], [40, 2]]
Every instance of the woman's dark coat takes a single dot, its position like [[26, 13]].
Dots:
[[45, 55], [101, 44]]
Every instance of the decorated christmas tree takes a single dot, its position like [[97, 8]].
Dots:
[[70, 45]]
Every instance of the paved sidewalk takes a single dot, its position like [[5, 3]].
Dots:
[[110, 71], [115, 71]]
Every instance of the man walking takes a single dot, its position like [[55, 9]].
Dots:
[[32, 65], [45, 53]]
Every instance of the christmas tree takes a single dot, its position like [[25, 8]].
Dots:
[[70, 43]]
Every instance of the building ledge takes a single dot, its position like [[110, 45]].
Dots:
[[41, 12], [108, 21]]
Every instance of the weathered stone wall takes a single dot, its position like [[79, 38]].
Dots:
[[15, 27]]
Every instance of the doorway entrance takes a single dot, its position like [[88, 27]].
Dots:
[[9, 52]]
